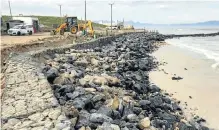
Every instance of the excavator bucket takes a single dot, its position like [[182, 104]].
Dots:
[[53, 32]]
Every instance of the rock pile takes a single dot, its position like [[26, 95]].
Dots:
[[107, 88]]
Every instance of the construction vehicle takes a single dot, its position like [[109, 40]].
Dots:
[[71, 25]]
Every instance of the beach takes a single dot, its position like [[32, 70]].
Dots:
[[198, 89]]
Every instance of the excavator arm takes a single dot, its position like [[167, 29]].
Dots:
[[90, 26], [60, 29]]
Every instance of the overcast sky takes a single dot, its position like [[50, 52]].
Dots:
[[147, 11]]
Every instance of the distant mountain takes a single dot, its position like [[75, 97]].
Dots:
[[207, 23], [141, 25]]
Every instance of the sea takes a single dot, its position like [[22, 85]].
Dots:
[[206, 47]]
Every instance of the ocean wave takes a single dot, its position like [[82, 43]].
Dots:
[[208, 53]]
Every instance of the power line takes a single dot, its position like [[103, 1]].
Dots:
[[111, 5], [10, 8]]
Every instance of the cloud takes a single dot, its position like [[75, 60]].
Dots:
[[148, 11]]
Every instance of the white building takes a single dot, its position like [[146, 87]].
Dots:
[[30, 21]]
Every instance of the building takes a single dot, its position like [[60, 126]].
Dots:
[[30, 21]]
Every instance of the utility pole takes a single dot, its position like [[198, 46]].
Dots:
[[60, 11], [111, 5], [10, 8], [85, 11]]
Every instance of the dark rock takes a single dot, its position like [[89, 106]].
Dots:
[[139, 88], [128, 109], [78, 92], [99, 118], [124, 128], [70, 111], [183, 126], [97, 49], [176, 107], [45, 68], [116, 115], [167, 107], [166, 100], [204, 128], [51, 74], [78, 103], [70, 95], [62, 101], [176, 78], [83, 119], [132, 118], [144, 104], [93, 111], [98, 104], [161, 124], [190, 97], [199, 119], [154, 88], [99, 97], [156, 101], [131, 126], [168, 117], [116, 121], [143, 64], [68, 88], [105, 110], [137, 110]]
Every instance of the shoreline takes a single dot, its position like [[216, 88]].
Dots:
[[198, 89]]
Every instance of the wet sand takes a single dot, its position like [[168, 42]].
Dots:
[[199, 87]]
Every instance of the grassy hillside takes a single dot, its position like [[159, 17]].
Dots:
[[50, 20]]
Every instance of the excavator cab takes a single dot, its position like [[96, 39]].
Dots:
[[72, 24]]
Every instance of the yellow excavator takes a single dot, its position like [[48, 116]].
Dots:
[[71, 25]]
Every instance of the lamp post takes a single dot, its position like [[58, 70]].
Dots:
[[111, 5]]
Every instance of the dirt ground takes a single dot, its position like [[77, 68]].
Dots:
[[7, 40]]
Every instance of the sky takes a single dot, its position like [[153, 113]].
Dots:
[[145, 11]]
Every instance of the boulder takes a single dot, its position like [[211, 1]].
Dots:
[[99, 118], [154, 88], [108, 126], [90, 89], [83, 119], [144, 123], [144, 104], [105, 110], [132, 118], [51, 74], [82, 62], [168, 117], [94, 62], [115, 103], [99, 97], [63, 79], [70, 111]]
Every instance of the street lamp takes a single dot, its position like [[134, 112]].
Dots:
[[111, 5]]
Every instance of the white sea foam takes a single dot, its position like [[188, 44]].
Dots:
[[199, 48]]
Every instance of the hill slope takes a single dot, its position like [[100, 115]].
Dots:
[[50, 20]]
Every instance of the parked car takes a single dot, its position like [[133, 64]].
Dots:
[[21, 30]]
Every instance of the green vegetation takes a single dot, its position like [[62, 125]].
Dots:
[[48, 21]]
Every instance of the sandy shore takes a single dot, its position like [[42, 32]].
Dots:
[[199, 88]]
